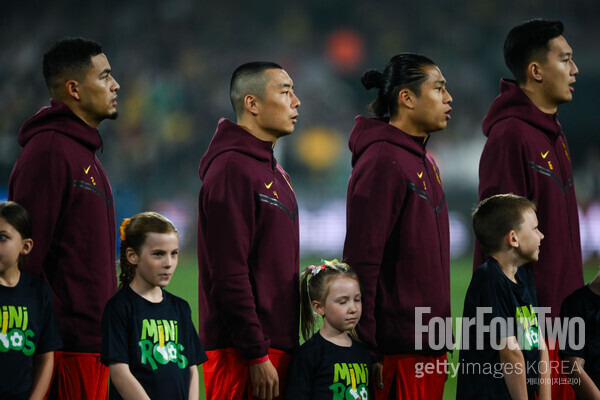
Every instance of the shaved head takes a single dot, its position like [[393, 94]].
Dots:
[[248, 79]]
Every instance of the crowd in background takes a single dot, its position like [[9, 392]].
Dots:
[[174, 59]]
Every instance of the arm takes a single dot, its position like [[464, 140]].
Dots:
[[513, 364], [582, 384], [376, 192], [228, 209], [128, 387], [44, 178], [43, 365], [500, 170], [194, 382], [264, 380], [545, 392]]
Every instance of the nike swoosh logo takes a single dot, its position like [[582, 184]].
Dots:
[[86, 169], [269, 185], [420, 174], [544, 155]]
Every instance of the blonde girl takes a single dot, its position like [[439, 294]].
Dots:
[[330, 291], [149, 341]]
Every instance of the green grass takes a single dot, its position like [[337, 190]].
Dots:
[[185, 284]]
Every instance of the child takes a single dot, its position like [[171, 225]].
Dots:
[[331, 364], [581, 361], [28, 328], [148, 339], [503, 355]]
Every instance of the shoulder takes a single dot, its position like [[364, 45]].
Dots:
[[578, 298], [177, 301], [512, 132]]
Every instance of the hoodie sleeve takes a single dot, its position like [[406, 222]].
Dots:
[[503, 168], [373, 206], [39, 182], [229, 205]]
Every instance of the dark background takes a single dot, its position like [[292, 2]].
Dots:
[[173, 60]]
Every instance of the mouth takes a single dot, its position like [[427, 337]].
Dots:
[[294, 119], [164, 276], [447, 113], [571, 88]]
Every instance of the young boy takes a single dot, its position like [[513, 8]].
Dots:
[[581, 361], [503, 354]]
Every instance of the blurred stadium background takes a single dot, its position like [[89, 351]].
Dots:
[[173, 60]]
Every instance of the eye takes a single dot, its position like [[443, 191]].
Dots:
[[3, 237]]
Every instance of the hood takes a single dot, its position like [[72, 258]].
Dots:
[[514, 103], [59, 118], [372, 130], [232, 137]]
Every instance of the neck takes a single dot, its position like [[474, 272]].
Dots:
[[151, 293], [249, 126], [538, 99], [407, 127], [508, 264], [595, 284], [335, 336], [74, 107], [10, 277]]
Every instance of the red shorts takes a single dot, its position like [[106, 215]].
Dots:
[[560, 387], [78, 376], [226, 373], [400, 380]]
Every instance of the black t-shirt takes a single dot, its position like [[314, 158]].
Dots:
[[585, 304], [157, 340], [510, 313], [28, 327], [322, 370]]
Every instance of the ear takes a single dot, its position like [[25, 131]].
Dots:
[[72, 88], [406, 98], [318, 307], [251, 104], [132, 257], [27, 246], [534, 71], [512, 238]]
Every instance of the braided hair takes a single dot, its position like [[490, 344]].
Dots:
[[134, 231]]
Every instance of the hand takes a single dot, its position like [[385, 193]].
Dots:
[[378, 374], [264, 380]]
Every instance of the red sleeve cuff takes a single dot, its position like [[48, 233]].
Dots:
[[260, 360]]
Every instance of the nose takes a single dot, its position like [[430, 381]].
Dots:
[[170, 261], [352, 308], [448, 97], [574, 69], [541, 235], [115, 86], [296, 101]]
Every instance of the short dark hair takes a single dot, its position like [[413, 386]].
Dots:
[[247, 79], [68, 58], [497, 215], [528, 42], [18, 217], [405, 70]]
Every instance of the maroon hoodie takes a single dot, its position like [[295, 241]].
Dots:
[[526, 153], [397, 236], [248, 247], [60, 181]]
